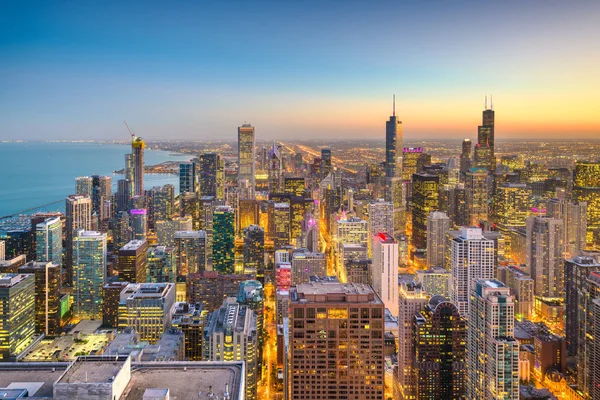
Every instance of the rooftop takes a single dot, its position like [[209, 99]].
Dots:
[[10, 280], [133, 245], [93, 369], [333, 292]]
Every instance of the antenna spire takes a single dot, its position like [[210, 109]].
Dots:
[[486, 102], [491, 102], [394, 106]]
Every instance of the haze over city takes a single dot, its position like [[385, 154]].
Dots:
[[197, 70]]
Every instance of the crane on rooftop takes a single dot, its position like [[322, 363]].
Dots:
[[130, 131]]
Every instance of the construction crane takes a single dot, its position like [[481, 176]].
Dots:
[[130, 131]]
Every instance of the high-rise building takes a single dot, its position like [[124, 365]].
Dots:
[[191, 252], [476, 189], [47, 296], [457, 206], [306, 264], [344, 313], [574, 217], [223, 240], [295, 186], [434, 281], [544, 255], [393, 146], [101, 192], [161, 264], [165, 230], [484, 155], [211, 288], [248, 214], [83, 186], [187, 177], [111, 293], [147, 308], [211, 175], [132, 261], [129, 174], [138, 220], [521, 286], [586, 188], [412, 299], [275, 170], [326, 166], [381, 219], [247, 155], [440, 351], [254, 251], [279, 231], [137, 149], [230, 334], [425, 199], [78, 216], [472, 257], [190, 319], [492, 350], [2, 250], [48, 241], [17, 314], [161, 204], [123, 195], [577, 270], [385, 270], [89, 273], [587, 361], [438, 225], [465, 156], [512, 204]]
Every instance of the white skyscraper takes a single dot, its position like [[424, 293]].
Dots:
[[492, 350], [381, 219], [385, 270], [472, 257], [574, 217], [545, 255], [438, 225], [247, 155]]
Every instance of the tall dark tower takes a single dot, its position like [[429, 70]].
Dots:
[[484, 149], [465, 156], [393, 145], [137, 148]]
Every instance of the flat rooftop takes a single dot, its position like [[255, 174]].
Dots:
[[90, 370], [133, 245], [333, 292], [185, 380], [30, 375]]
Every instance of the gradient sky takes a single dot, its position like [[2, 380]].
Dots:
[[302, 69]]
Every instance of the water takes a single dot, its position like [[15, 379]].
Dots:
[[33, 174]]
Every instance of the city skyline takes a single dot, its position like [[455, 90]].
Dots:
[[193, 72]]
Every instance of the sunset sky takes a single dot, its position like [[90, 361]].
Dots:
[[303, 69]]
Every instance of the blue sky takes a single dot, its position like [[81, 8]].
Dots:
[[196, 70]]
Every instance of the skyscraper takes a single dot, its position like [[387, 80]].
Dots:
[[393, 145], [137, 149], [586, 188], [79, 216], [472, 258], [492, 350], [279, 220], [512, 204], [412, 299], [577, 270], [438, 225], [47, 295], [477, 195], [132, 261], [48, 241], [544, 255], [440, 351], [465, 156], [343, 313], [247, 155], [574, 217], [381, 219], [306, 264], [138, 219], [484, 156], [17, 314], [425, 200], [191, 252], [223, 240], [187, 177], [588, 352], [275, 170], [89, 268], [326, 166], [385, 270], [83, 186], [211, 175], [254, 250]]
